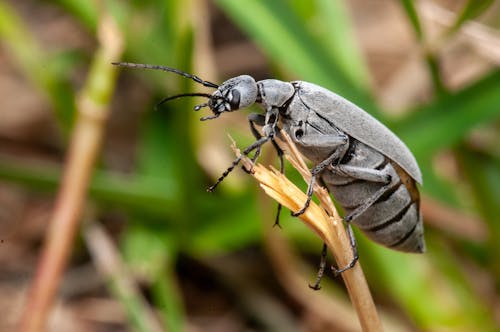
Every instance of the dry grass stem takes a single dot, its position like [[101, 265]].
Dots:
[[324, 221], [292, 275], [83, 150], [108, 262]]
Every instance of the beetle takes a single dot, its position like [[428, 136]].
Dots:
[[370, 172]]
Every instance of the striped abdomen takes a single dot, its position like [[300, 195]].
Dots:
[[394, 219]]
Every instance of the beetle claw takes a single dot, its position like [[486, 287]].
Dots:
[[301, 211]]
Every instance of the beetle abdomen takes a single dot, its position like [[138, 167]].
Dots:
[[393, 220]]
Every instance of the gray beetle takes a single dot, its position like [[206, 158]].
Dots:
[[368, 169]]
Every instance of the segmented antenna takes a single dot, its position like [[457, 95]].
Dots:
[[164, 68]]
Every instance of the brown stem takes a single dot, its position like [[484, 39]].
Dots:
[[109, 263], [83, 150], [325, 222]]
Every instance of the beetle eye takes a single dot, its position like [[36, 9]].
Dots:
[[234, 101]]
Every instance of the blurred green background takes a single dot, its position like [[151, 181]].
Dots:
[[427, 69]]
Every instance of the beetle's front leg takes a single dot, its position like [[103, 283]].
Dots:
[[260, 120], [271, 120], [253, 120]]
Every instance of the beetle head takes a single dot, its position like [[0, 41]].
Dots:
[[234, 94]]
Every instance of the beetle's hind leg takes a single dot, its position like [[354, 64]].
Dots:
[[336, 271], [371, 175], [321, 270], [365, 174], [354, 247]]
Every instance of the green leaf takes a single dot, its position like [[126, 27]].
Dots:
[[431, 59], [284, 37], [449, 119], [430, 288], [437, 187], [483, 175], [147, 251], [85, 11], [231, 223], [333, 29], [29, 55], [445, 123], [411, 13], [168, 300], [471, 10]]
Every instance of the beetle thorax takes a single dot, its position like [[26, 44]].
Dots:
[[274, 93]]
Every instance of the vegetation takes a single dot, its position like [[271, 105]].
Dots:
[[148, 181]]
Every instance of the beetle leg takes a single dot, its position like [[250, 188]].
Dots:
[[321, 271], [355, 256], [338, 143], [256, 119], [260, 120], [332, 142], [236, 161], [369, 202], [336, 271], [282, 171], [366, 174], [271, 119], [362, 173]]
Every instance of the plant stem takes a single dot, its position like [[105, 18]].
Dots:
[[83, 150], [109, 263], [325, 222]]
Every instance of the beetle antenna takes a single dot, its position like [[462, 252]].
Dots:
[[194, 94], [169, 69]]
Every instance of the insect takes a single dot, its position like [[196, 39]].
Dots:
[[368, 169]]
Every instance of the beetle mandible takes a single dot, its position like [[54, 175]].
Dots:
[[368, 169]]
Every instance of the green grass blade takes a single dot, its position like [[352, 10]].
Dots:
[[411, 13], [280, 32], [447, 120], [431, 288], [150, 252], [37, 66], [483, 175], [85, 11], [430, 58], [149, 195], [470, 10], [333, 29]]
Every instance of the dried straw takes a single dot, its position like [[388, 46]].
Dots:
[[324, 220]]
